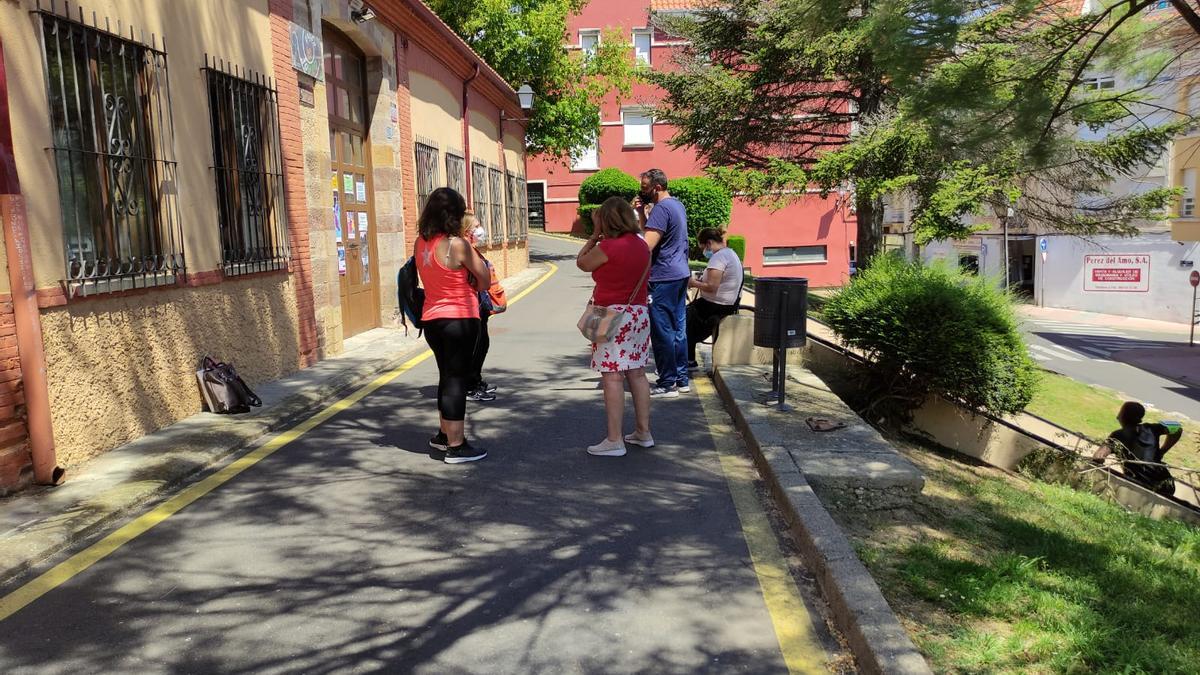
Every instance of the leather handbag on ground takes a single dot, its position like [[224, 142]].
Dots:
[[223, 390], [599, 323]]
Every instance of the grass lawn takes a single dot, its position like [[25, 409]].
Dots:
[[992, 573], [1092, 411]]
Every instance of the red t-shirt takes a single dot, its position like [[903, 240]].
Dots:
[[628, 258]]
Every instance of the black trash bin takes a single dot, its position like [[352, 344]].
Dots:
[[770, 294]]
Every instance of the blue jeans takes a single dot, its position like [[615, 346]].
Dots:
[[668, 331]]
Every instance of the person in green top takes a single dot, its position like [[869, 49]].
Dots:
[[1136, 443]]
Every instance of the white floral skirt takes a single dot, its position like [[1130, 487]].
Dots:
[[630, 347]]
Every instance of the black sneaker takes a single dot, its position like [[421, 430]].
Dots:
[[692, 365], [486, 388], [480, 395], [439, 442], [464, 453]]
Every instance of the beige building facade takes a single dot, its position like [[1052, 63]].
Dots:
[[234, 178]]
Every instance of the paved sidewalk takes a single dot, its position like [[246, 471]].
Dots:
[[1097, 319], [39, 522]]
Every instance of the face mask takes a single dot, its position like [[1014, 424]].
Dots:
[[708, 254], [479, 234]]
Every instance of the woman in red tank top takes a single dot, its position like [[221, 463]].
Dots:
[[447, 266], [619, 260]]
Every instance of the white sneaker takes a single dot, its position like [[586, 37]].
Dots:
[[685, 389], [607, 448], [647, 442], [664, 392]]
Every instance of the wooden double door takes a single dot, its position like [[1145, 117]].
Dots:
[[353, 193]]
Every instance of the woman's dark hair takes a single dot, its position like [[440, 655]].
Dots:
[[615, 217], [1131, 413], [710, 234], [443, 214]]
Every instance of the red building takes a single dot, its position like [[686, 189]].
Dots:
[[811, 238]]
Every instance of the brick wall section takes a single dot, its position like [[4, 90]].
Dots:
[[292, 148], [15, 458], [408, 161]]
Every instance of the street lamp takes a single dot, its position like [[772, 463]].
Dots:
[[525, 98], [1003, 213]]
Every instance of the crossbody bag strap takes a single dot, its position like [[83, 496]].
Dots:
[[641, 281]]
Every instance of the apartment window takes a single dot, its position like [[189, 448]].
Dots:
[[248, 170], [641, 45], [587, 159], [639, 128], [428, 180], [794, 255], [479, 194], [589, 40], [496, 202], [456, 172], [1102, 83], [1187, 207], [522, 209], [114, 152]]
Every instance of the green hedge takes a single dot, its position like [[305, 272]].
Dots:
[[585, 217], [738, 244], [933, 330], [607, 183], [707, 202]]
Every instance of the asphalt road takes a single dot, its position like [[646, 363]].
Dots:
[[351, 549], [1084, 352]]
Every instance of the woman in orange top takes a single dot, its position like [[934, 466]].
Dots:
[[451, 272]]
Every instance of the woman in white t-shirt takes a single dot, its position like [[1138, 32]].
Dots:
[[720, 287]]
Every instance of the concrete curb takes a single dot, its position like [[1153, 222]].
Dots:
[[877, 640], [124, 480]]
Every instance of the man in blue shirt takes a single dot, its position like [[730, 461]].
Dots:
[[665, 222]]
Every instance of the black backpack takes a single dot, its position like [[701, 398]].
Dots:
[[410, 295]]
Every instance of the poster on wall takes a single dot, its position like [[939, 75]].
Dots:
[[1116, 273]]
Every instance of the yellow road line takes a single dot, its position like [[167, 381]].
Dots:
[[802, 652], [64, 571]]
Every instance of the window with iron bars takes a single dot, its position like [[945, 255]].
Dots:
[[114, 152], [513, 204], [247, 169], [456, 172], [427, 172], [497, 204], [480, 193], [522, 209]]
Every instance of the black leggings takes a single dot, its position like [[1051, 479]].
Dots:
[[481, 350], [702, 319], [453, 344]]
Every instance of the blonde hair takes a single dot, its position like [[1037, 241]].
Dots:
[[469, 223], [615, 217]]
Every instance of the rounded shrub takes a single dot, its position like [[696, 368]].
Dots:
[[707, 202], [605, 183], [933, 330], [585, 217], [738, 244]]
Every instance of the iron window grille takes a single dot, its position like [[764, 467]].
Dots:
[[479, 194], [247, 169], [512, 204], [497, 204], [427, 172], [114, 152], [456, 172], [522, 209]]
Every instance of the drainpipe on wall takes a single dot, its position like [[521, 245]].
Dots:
[[24, 298], [466, 122]]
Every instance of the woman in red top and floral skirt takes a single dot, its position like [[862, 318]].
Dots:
[[618, 259], [451, 272]]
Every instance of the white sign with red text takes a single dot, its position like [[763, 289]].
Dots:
[[1116, 273]]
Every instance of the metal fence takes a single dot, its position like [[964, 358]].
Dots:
[[247, 169], [113, 141]]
